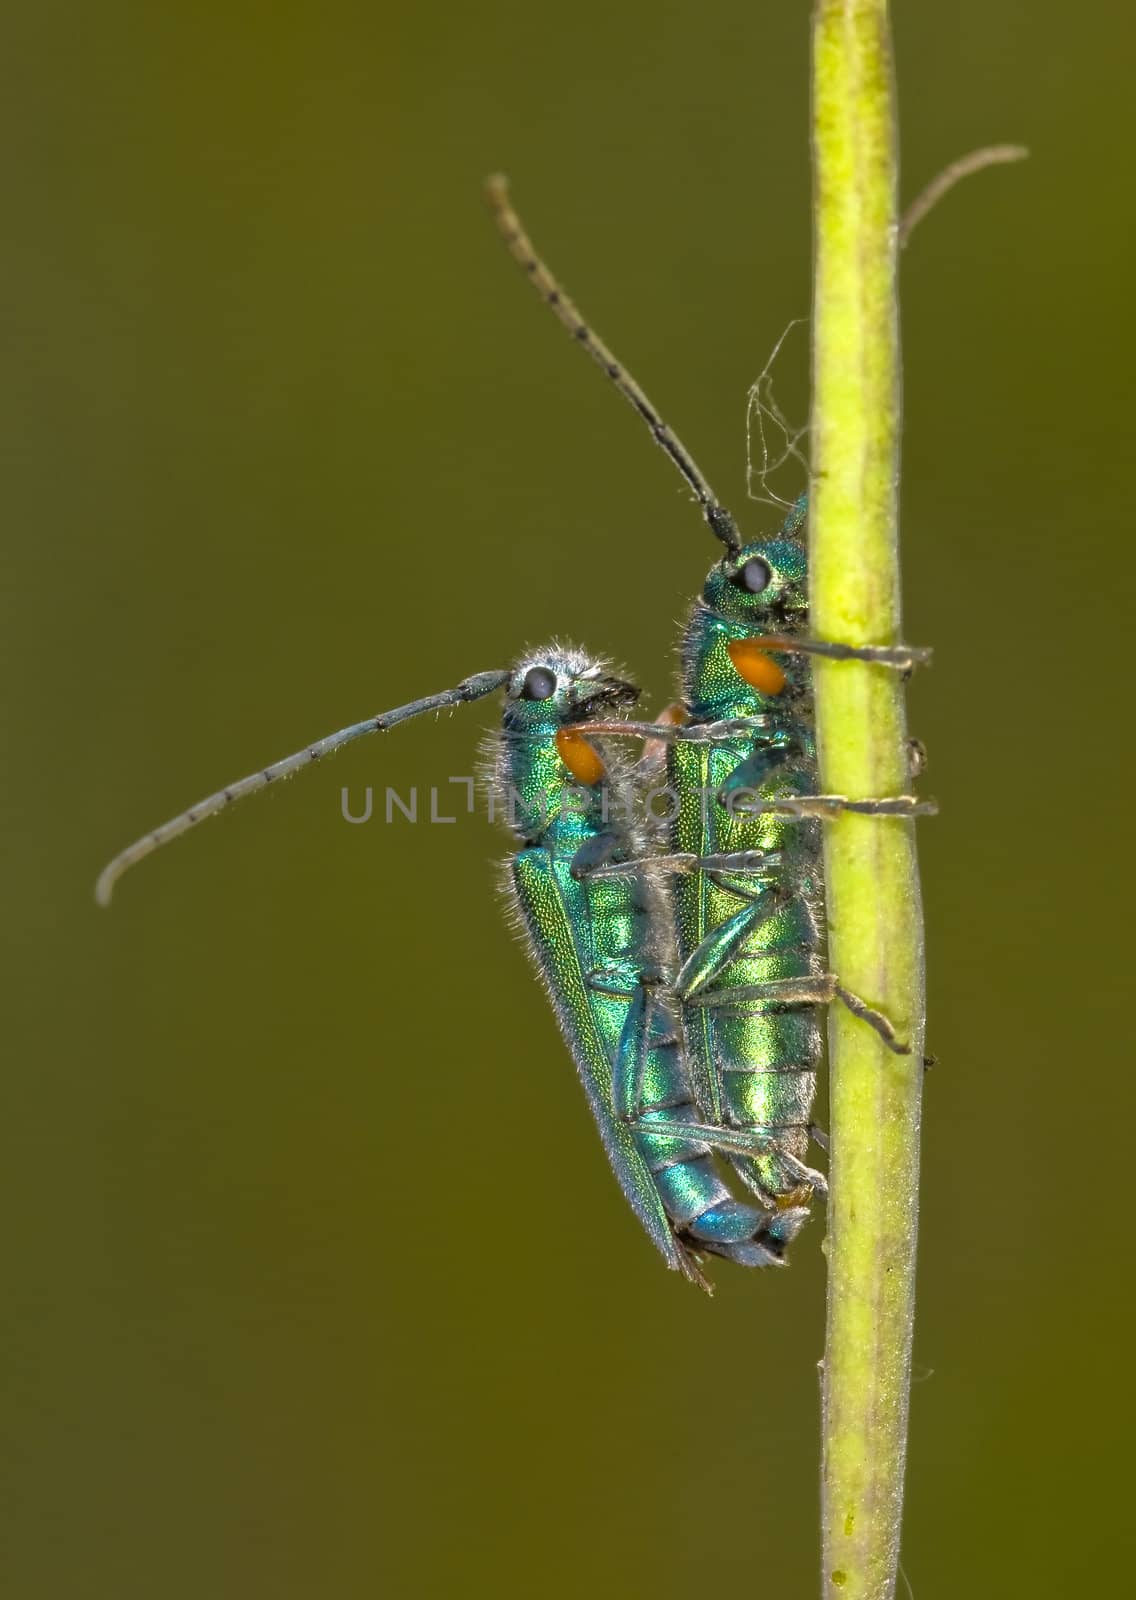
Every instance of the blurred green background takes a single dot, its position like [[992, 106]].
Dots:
[[296, 1300]]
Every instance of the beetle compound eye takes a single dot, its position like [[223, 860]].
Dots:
[[755, 576], [539, 684]]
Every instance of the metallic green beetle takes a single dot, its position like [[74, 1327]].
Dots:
[[747, 886], [602, 941]]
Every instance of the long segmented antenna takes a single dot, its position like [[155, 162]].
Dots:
[[721, 523], [471, 688]]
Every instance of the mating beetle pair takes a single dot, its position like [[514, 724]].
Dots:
[[685, 959]]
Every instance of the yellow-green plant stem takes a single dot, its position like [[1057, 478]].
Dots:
[[875, 924]]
